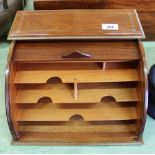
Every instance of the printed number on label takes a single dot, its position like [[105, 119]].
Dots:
[[110, 27]]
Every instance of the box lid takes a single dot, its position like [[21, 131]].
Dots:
[[76, 24]]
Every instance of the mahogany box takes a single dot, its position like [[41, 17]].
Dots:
[[76, 77]]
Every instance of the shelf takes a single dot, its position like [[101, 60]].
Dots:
[[95, 114], [81, 76], [63, 93]]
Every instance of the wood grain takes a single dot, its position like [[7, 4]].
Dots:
[[78, 128], [81, 76], [77, 65], [33, 94], [99, 50], [10, 94], [140, 5], [76, 100], [98, 114], [146, 15], [73, 139], [36, 24]]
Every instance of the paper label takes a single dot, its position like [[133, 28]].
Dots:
[[110, 27]]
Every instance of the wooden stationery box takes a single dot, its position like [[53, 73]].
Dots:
[[76, 77], [145, 8]]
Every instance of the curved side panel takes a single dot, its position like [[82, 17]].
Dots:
[[144, 92], [7, 94]]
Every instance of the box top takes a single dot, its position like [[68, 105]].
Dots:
[[76, 24]]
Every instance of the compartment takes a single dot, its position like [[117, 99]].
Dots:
[[59, 93], [98, 131], [50, 113], [113, 119], [84, 127], [76, 81], [64, 93], [76, 138], [67, 122], [77, 97], [79, 72], [79, 76]]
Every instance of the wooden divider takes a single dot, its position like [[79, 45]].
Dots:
[[97, 114], [81, 76], [64, 93]]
